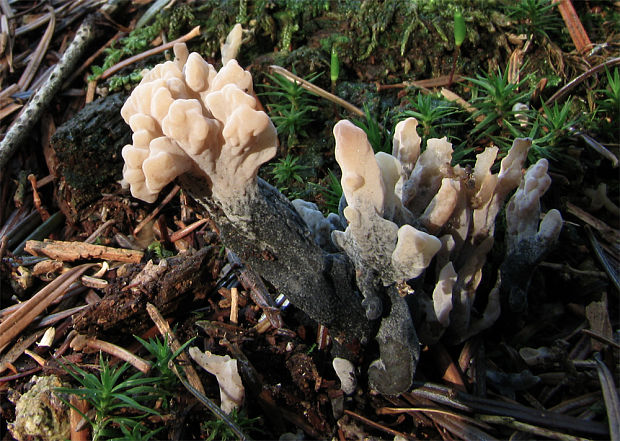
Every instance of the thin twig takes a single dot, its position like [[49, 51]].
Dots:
[[610, 269], [316, 89], [154, 213], [93, 237], [165, 330], [92, 58], [81, 341], [600, 338], [180, 234], [377, 425], [581, 78], [164, 47], [573, 24], [529, 428]]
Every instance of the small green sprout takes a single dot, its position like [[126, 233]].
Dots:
[[334, 71], [459, 28]]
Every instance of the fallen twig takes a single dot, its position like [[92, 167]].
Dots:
[[18, 349], [42, 231], [180, 234], [154, 213], [377, 425], [529, 428], [214, 408], [164, 47], [35, 60], [72, 251], [316, 90], [580, 79], [258, 291], [80, 342], [573, 24], [610, 269], [165, 330]]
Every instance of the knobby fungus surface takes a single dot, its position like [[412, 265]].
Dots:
[[410, 241]]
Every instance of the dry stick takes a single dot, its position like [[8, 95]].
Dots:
[[214, 408], [316, 89], [600, 338], [612, 234], [581, 78], [377, 425], [18, 349], [71, 251], [7, 110], [457, 426], [164, 47], [35, 61], [20, 319], [166, 331], [25, 122], [163, 203], [234, 305], [423, 85], [180, 234], [411, 410], [579, 402], [81, 341], [93, 237], [78, 406], [37, 199], [573, 24], [6, 8], [567, 268], [257, 289], [470, 403]]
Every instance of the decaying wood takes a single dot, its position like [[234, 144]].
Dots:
[[123, 308], [72, 251]]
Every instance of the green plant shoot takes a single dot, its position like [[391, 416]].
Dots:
[[334, 66], [459, 28]]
